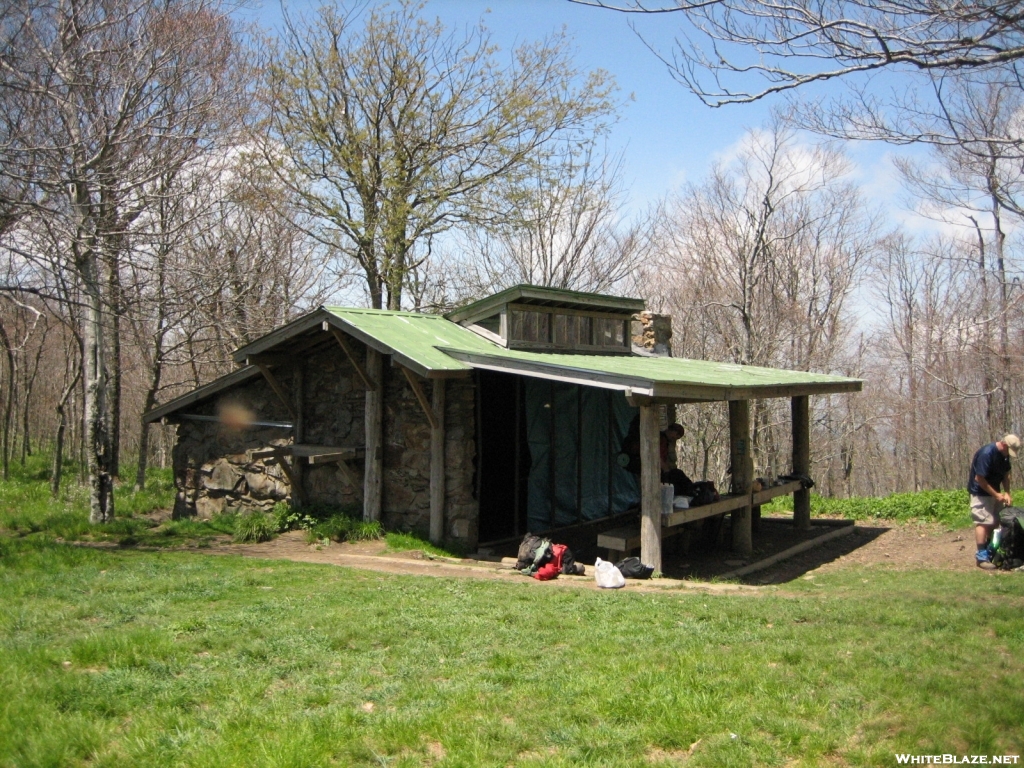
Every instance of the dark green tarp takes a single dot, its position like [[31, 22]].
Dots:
[[581, 429]]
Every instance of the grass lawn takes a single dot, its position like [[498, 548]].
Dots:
[[124, 657]]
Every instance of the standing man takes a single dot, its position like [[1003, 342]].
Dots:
[[990, 471]]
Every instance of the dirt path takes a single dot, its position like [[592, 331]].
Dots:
[[878, 545]]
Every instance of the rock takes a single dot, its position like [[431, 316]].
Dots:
[[223, 476], [209, 506], [264, 485]]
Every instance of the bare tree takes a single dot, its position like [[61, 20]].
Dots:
[[389, 133], [117, 91], [757, 264], [781, 46], [564, 229]]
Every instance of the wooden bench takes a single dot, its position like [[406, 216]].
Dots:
[[619, 541]]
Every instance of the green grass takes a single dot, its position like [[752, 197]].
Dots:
[[949, 508], [147, 658], [28, 510], [404, 542], [156, 658]]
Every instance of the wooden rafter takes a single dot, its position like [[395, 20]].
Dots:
[[421, 396], [278, 389], [340, 338]]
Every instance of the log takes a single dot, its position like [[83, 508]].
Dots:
[[801, 460], [742, 473], [373, 476], [650, 487], [437, 463]]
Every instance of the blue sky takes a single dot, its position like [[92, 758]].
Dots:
[[666, 134]]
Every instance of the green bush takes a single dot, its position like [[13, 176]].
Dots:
[[336, 528], [945, 507], [307, 518], [254, 527], [363, 530]]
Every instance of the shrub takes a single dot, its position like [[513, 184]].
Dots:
[[336, 528], [254, 527], [363, 530], [946, 507]]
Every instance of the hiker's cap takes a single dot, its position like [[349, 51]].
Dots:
[[1013, 444]]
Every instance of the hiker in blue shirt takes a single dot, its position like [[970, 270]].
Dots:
[[990, 471]]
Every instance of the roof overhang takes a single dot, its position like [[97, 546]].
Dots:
[[216, 386], [660, 389]]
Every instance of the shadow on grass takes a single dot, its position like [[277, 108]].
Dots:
[[707, 555]]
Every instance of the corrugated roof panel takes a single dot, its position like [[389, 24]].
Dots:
[[416, 336], [427, 340]]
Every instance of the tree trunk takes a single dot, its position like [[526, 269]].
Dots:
[[97, 430], [5, 444], [58, 448], [30, 382]]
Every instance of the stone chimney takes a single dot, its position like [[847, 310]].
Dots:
[[652, 334]]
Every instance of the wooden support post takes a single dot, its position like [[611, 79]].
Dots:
[[742, 473], [278, 389], [650, 487], [801, 460], [340, 338], [373, 477], [437, 464], [298, 435]]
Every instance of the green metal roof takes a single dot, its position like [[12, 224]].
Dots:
[[432, 346], [435, 347], [415, 338], [665, 377]]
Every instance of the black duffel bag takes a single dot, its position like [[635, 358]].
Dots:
[[632, 568]]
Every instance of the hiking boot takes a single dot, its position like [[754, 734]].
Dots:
[[984, 559]]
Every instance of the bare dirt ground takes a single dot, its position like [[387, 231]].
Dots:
[[878, 545]]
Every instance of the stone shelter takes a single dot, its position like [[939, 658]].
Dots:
[[503, 416]]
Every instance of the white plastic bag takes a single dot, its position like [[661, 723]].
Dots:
[[607, 575]]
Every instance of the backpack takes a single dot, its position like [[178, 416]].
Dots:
[[528, 552], [1010, 552], [632, 568], [704, 492], [565, 561]]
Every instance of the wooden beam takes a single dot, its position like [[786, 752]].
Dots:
[[270, 358], [298, 497], [769, 493], [373, 475], [421, 396], [720, 507], [306, 450], [340, 338], [347, 475], [801, 460], [650, 487], [742, 473], [271, 453], [298, 385], [437, 464], [337, 457], [278, 390]]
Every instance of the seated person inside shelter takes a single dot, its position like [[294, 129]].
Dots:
[[669, 474]]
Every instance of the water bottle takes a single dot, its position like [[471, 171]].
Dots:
[[997, 539]]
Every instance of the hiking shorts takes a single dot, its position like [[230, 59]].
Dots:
[[985, 510]]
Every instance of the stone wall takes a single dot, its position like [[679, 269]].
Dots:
[[215, 471], [652, 333], [406, 502]]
